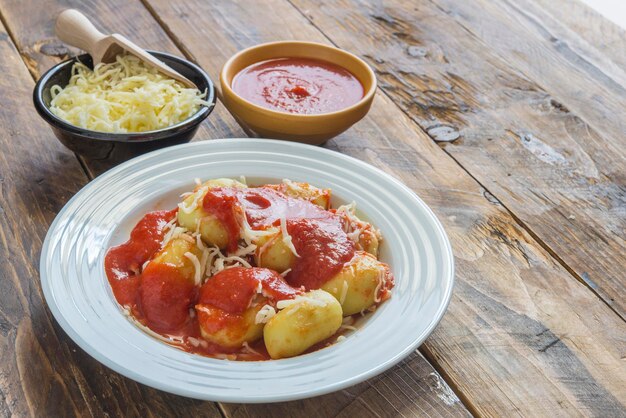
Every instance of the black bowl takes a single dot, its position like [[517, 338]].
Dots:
[[120, 146]]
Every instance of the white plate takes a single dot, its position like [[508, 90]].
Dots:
[[103, 213]]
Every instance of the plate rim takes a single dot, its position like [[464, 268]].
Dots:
[[242, 398]]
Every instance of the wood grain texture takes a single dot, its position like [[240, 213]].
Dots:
[[586, 88], [558, 175], [584, 30], [412, 389], [31, 25], [431, 392], [515, 340], [43, 372]]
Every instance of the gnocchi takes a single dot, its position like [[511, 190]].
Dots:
[[250, 273], [359, 284], [308, 320]]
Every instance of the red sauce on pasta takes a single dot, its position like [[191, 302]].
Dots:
[[165, 297], [298, 85], [232, 290], [317, 234], [123, 263]]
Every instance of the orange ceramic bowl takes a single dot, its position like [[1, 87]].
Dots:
[[310, 129]]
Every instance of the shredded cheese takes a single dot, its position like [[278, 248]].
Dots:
[[348, 327], [249, 349], [265, 314], [124, 96], [381, 279], [344, 292], [292, 185], [250, 236], [286, 237], [194, 341], [197, 267], [194, 203]]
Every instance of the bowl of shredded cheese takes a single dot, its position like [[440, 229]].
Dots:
[[125, 108]]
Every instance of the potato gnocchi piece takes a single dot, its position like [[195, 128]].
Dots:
[[191, 212], [273, 253], [307, 320], [363, 234], [320, 197], [368, 240], [168, 284], [229, 330], [359, 284]]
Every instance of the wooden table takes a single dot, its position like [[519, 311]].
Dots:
[[506, 117]]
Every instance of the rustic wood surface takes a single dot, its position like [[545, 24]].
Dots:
[[531, 194], [559, 175]]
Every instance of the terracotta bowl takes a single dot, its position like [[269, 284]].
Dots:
[[310, 129]]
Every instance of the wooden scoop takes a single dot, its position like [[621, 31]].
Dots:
[[73, 28]]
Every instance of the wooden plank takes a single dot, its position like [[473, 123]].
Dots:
[[583, 29], [559, 176], [31, 25], [521, 336], [43, 372], [588, 89], [413, 379]]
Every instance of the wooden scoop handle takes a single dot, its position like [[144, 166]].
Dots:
[[73, 28]]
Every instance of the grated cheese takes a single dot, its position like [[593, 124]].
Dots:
[[124, 96], [249, 349], [187, 238], [265, 314], [197, 267], [194, 341], [292, 185], [381, 279], [250, 236], [194, 203], [344, 292], [287, 237], [175, 232]]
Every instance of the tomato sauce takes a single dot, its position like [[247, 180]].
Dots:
[[317, 234], [298, 85], [123, 263], [323, 247], [232, 290], [165, 297]]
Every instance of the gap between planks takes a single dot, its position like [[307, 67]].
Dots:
[[521, 223]]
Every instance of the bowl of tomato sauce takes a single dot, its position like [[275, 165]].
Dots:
[[299, 91]]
